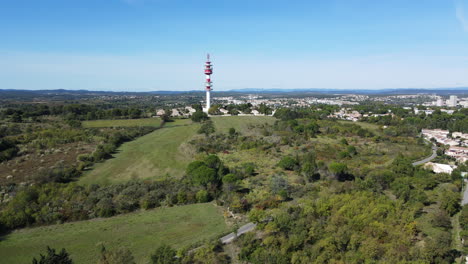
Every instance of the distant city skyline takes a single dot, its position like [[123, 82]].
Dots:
[[149, 45]]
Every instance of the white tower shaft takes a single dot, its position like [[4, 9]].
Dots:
[[208, 101]]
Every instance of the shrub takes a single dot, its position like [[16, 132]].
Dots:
[[51, 257], [207, 128], [202, 196], [230, 178], [288, 163], [199, 116], [164, 255], [118, 256], [8, 149]]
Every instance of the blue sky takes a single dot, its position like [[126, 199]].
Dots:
[[145, 45]]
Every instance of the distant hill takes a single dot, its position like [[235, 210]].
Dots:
[[63, 92], [442, 91]]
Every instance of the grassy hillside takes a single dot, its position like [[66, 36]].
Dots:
[[151, 156], [152, 122], [240, 123], [141, 232]]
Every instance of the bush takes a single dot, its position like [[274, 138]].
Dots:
[[164, 255], [51, 257], [207, 128], [230, 178], [119, 256], [344, 154], [202, 196], [288, 163], [8, 149], [464, 217], [199, 116], [351, 150]]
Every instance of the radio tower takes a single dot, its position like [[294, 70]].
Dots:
[[208, 72]]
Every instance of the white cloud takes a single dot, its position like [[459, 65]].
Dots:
[[460, 14]]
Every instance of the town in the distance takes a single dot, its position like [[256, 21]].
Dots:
[[238, 176]]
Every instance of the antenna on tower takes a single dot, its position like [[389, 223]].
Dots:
[[208, 56]]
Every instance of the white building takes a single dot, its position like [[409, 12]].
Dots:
[[453, 101], [439, 168], [459, 153], [175, 112], [160, 112]]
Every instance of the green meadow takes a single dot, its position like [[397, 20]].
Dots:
[[162, 152], [141, 232]]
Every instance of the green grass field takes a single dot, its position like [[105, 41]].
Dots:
[[151, 156], [141, 232], [240, 123], [152, 122], [161, 152]]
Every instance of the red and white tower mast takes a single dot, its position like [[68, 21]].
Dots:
[[208, 72]]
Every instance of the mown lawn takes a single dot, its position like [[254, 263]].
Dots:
[[152, 122], [162, 152], [141, 232]]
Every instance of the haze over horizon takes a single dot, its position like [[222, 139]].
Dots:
[[148, 45]]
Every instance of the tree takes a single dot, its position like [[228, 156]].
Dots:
[[450, 202], [197, 107], [339, 170], [402, 166], [193, 166], [199, 116], [203, 175], [440, 218], [464, 217], [233, 111], [166, 117], [232, 131], [213, 162], [51, 257], [207, 128], [164, 255], [264, 109]]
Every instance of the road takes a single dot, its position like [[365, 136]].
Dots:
[[243, 229], [465, 194], [434, 154]]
